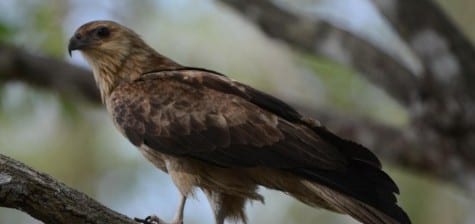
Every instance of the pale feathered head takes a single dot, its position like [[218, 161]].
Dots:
[[116, 53], [100, 38]]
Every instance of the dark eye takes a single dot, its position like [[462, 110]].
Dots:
[[102, 32]]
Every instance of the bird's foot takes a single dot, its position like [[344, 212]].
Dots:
[[153, 219]]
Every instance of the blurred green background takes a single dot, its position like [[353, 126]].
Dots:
[[75, 141]]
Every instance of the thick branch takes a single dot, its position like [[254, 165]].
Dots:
[[447, 95], [435, 39], [48, 200], [17, 64], [445, 110], [318, 37]]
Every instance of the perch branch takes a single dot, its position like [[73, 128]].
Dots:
[[48, 200]]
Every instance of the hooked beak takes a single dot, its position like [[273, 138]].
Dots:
[[77, 43]]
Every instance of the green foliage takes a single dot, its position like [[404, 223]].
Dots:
[[462, 13], [338, 80], [34, 25], [5, 32], [50, 30]]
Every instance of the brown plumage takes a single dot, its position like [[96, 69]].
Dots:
[[211, 132]]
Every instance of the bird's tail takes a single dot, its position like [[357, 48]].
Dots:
[[363, 191], [329, 199]]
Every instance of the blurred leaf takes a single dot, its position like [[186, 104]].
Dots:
[[337, 79], [69, 108], [5, 32], [345, 90], [461, 12], [49, 29]]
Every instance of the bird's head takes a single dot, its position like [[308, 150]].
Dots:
[[107, 45], [97, 39], [116, 53]]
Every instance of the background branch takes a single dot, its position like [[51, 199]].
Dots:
[[48, 200], [46, 72], [434, 38], [320, 38]]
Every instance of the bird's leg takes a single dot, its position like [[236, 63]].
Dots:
[[153, 219], [179, 213]]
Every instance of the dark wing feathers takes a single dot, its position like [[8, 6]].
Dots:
[[224, 124], [206, 116], [353, 150], [278, 107], [220, 83]]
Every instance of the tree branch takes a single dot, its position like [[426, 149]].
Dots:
[[445, 110], [435, 39], [48, 200], [446, 99], [69, 80], [321, 38]]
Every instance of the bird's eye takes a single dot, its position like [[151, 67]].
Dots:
[[102, 32]]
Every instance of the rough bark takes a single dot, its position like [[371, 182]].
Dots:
[[48, 200]]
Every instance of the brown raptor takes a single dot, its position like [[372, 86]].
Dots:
[[226, 138]]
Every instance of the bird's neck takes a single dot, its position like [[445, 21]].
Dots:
[[111, 70]]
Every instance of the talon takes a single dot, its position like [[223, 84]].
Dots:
[[151, 219], [139, 220]]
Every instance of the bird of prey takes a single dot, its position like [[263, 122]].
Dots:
[[212, 133]]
